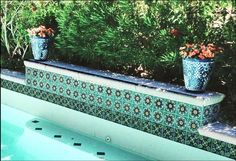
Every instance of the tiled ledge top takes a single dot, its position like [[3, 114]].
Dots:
[[14, 76], [219, 131], [130, 79]]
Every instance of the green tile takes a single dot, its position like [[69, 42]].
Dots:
[[181, 123], [168, 133], [182, 109], [170, 106], [206, 143], [127, 97], [126, 108], [108, 103], [158, 129], [92, 99], [218, 147], [148, 127], [193, 125], [159, 103], [148, 101], [158, 116], [230, 150], [147, 113], [117, 105], [169, 120], [180, 136], [136, 110], [195, 112]]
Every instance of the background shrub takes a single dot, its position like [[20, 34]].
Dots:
[[138, 38]]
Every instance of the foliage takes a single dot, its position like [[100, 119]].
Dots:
[[134, 37], [16, 17]]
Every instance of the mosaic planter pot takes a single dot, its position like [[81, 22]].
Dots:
[[39, 47], [197, 73]]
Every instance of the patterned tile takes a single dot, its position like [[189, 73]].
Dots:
[[136, 110], [169, 119], [180, 136], [193, 125], [181, 123], [147, 114], [195, 112], [218, 147], [159, 103], [158, 117], [182, 109], [170, 106], [230, 151], [158, 129], [168, 132]]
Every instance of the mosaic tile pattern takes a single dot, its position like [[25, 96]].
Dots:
[[152, 127], [166, 112]]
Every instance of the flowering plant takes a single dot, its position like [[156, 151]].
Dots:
[[199, 51], [41, 31]]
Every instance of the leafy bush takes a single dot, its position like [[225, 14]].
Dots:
[[17, 17], [135, 37]]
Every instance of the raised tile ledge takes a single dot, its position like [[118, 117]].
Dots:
[[164, 90], [13, 76], [219, 131]]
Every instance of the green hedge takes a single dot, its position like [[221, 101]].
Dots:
[[122, 35]]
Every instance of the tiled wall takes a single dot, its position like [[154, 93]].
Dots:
[[166, 112], [152, 127]]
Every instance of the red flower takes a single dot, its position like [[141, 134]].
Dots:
[[201, 56], [199, 51], [175, 32]]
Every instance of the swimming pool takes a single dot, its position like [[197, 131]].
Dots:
[[28, 143], [26, 137]]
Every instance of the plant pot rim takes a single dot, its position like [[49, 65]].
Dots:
[[38, 37], [198, 60]]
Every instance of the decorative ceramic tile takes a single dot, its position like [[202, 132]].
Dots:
[[195, 112], [148, 127], [180, 136], [147, 113], [170, 106], [181, 123], [230, 151], [158, 129], [218, 147], [193, 125], [169, 119], [168, 133], [158, 103]]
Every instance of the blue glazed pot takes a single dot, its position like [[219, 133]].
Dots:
[[197, 73], [39, 47]]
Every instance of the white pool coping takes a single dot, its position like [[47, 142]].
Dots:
[[13, 76], [219, 131]]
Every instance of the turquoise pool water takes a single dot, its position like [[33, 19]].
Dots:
[[26, 137]]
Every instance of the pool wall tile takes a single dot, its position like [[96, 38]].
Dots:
[[125, 101]]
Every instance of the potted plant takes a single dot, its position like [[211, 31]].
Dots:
[[198, 64], [39, 38]]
